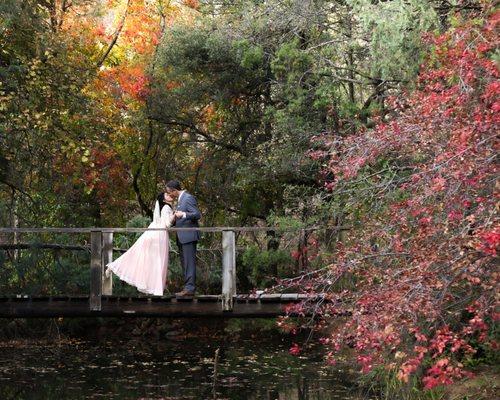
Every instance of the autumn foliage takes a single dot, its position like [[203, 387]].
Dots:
[[417, 273]]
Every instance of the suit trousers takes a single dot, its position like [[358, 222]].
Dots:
[[187, 254]]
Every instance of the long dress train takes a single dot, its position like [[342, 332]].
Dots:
[[145, 264]]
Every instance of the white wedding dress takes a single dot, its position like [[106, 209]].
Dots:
[[145, 264]]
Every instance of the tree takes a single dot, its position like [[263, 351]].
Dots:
[[417, 273]]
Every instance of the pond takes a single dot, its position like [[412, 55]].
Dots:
[[169, 369]]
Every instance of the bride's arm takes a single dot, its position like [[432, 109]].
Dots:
[[167, 216]]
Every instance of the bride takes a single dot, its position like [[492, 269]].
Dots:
[[145, 264]]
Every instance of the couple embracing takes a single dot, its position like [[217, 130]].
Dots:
[[145, 264]]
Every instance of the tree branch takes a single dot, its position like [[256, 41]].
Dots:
[[199, 132], [135, 181], [115, 37]]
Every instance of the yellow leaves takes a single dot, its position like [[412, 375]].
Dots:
[[85, 157], [73, 150]]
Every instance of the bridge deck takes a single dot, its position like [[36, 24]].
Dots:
[[245, 306]]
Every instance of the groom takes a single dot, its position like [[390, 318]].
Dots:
[[187, 215]]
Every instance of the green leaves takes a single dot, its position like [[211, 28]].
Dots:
[[266, 265], [393, 31], [252, 57]]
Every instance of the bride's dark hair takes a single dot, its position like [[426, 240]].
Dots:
[[161, 201]]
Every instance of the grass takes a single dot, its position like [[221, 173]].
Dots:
[[484, 386]]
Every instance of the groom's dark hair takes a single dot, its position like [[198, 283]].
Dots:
[[174, 184]]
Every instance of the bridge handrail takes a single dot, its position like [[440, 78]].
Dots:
[[101, 249], [213, 229]]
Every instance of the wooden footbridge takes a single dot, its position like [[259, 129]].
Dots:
[[100, 302]]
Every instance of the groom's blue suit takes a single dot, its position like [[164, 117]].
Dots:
[[187, 240]]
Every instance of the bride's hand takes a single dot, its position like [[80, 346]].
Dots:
[[179, 214]]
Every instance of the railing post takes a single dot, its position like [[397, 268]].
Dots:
[[228, 270], [95, 270], [107, 257]]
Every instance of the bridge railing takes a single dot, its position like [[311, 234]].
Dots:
[[101, 248]]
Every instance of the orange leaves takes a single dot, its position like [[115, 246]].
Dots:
[[211, 117], [142, 29], [133, 82], [194, 4], [125, 78], [171, 85], [99, 31], [131, 31]]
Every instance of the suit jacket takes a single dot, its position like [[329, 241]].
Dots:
[[188, 204]]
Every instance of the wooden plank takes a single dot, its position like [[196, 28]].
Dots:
[[253, 298], [270, 298], [173, 309], [20, 299], [59, 298], [228, 269], [289, 297], [79, 299], [208, 298], [49, 246], [241, 298], [157, 299], [107, 257], [41, 298], [95, 270], [41, 307]]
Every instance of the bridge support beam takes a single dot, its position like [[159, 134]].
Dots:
[[96, 270], [228, 270], [107, 257]]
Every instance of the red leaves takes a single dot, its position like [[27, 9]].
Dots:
[[317, 154], [438, 184], [440, 211], [295, 350], [408, 368], [492, 91], [366, 363], [133, 82], [440, 341], [438, 374], [443, 372], [489, 241]]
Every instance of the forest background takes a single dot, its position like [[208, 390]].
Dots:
[[376, 115]]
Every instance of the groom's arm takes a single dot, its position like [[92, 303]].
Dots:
[[192, 212]]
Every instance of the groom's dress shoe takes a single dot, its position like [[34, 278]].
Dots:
[[184, 293]]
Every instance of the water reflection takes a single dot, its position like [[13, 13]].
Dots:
[[142, 369]]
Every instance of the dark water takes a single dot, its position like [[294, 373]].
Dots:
[[166, 369]]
